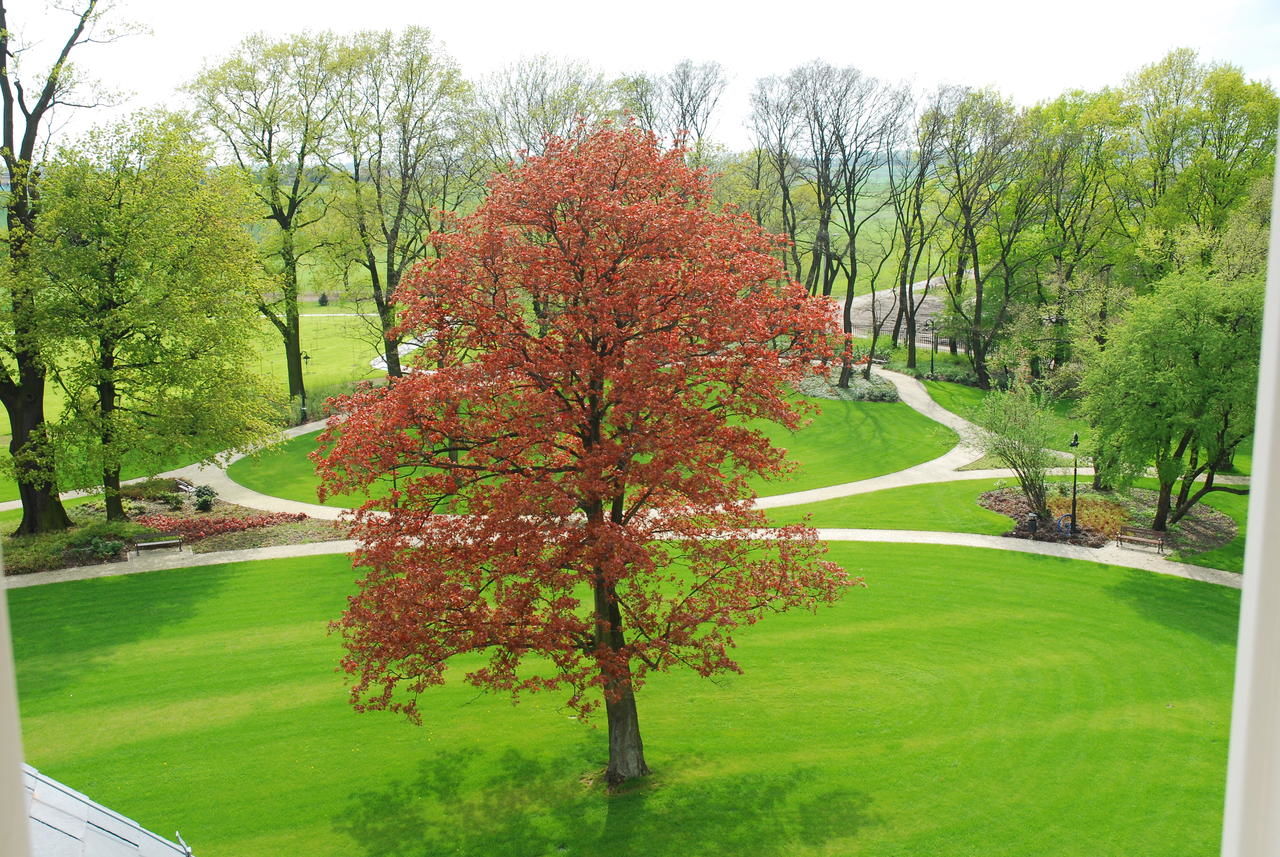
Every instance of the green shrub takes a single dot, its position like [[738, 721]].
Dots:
[[48, 551], [105, 548], [150, 489], [205, 495]]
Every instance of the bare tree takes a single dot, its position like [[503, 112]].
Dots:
[[775, 128], [820, 110], [912, 191], [399, 104], [867, 116], [523, 105], [676, 106]]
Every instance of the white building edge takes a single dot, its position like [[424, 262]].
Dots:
[[62, 821]]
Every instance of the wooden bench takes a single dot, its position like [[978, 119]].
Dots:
[[160, 540], [1141, 536]]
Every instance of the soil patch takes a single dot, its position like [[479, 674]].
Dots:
[[1202, 529]]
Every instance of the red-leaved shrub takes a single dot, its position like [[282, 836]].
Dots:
[[194, 529]]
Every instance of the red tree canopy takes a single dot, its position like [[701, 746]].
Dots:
[[568, 462]]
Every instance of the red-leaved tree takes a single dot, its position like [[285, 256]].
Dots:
[[568, 465]]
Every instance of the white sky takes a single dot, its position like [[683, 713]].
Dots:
[[1028, 49]]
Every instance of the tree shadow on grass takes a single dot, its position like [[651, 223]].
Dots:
[[463, 803], [64, 631], [1208, 611]]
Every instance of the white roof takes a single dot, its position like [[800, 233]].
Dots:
[[65, 823]]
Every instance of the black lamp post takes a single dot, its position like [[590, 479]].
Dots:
[[306, 359], [1075, 462]]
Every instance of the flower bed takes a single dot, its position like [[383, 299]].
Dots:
[[196, 528]]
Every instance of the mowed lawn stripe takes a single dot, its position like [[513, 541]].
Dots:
[[966, 702], [844, 442]]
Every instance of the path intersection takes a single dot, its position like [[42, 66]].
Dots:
[[910, 391]]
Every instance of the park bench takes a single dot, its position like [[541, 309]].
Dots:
[[1141, 536], [159, 540]]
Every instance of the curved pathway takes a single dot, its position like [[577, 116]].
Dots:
[[911, 391]]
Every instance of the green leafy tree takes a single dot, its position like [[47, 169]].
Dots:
[[271, 105], [28, 103], [994, 202], [148, 288], [1175, 386], [1017, 429], [1198, 136]]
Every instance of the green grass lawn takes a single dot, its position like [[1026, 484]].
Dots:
[[953, 507], [845, 442], [950, 506], [340, 349], [1229, 557], [964, 400], [968, 702], [285, 471]]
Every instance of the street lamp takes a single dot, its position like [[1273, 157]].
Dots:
[[306, 359], [1075, 462]]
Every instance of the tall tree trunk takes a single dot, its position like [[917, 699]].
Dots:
[[106, 409], [111, 486], [290, 332], [390, 344], [626, 749], [846, 356], [42, 511], [33, 457], [910, 316]]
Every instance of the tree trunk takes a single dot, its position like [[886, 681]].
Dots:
[[391, 353], [41, 508], [978, 357], [846, 357], [290, 333], [114, 503], [910, 317], [626, 749], [106, 410], [1162, 507], [42, 511]]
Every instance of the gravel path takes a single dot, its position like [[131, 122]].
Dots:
[[910, 390]]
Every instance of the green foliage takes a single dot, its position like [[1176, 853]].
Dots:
[[205, 495], [99, 540], [1176, 384], [1017, 429], [860, 389], [137, 232], [150, 489]]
